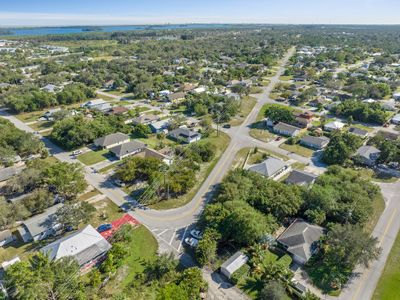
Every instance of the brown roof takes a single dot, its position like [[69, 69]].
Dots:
[[117, 110]]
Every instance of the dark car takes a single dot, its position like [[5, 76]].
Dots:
[[104, 227], [226, 126]]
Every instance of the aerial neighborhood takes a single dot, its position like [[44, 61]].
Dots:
[[165, 164]]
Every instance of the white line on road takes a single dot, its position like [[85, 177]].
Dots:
[[172, 237], [162, 232], [183, 237]]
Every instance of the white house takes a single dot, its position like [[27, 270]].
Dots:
[[233, 264], [396, 119], [335, 125], [97, 104]]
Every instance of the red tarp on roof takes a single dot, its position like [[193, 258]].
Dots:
[[116, 224]]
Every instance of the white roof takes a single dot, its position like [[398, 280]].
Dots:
[[234, 263], [94, 102], [396, 117], [76, 244], [335, 125], [5, 265]]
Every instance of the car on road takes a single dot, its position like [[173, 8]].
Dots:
[[94, 169], [196, 234], [278, 138], [119, 183], [104, 227], [227, 126], [192, 242]]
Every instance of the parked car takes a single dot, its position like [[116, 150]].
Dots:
[[119, 183], [76, 152], [196, 234], [192, 242], [227, 126], [278, 138], [104, 227]]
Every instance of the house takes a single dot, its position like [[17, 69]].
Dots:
[[6, 237], [50, 88], [159, 126], [97, 104], [199, 90], [396, 96], [303, 122], [367, 155], [111, 140], [389, 105], [359, 132], [335, 125], [145, 119], [396, 119], [48, 115], [185, 135], [127, 149], [176, 97], [314, 141], [286, 129], [87, 246], [159, 155], [271, 168], [301, 178], [118, 110], [41, 226], [233, 264], [109, 85], [6, 264], [300, 240], [234, 96]]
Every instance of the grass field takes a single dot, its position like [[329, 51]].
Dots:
[[253, 158], [221, 142], [298, 149], [389, 282], [246, 107], [41, 125], [142, 248], [285, 78], [93, 157]]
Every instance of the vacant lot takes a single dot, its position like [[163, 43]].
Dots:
[[298, 149], [246, 107]]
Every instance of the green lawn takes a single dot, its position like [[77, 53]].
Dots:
[[286, 78], [153, 142], [89, 195], [109, 167], [261, 134], [93, 157], [254, 158], [221, 142], [246, 107], [16, 248], [142, 248], [41, 125], [298, 149], [369, 129], [389, 283]]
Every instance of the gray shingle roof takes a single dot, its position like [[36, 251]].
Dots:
[[111, 139], [314, 140], [42, 222], [299, 238], [358, 131], [300, 177], [127, 148], [368, 152], [286, 128], [268, 167], [184, 133]]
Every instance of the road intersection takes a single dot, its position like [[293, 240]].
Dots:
[[170, 227]]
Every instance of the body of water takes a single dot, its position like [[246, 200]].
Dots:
[[81, 29]]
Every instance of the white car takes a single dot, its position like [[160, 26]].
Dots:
[[76, 152], [196, 234], [192, 242]]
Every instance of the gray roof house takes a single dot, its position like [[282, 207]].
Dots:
[[271, 168], [87, 246], [127, 149], [41, 226], [367, 155], [299, 240], [159, 126], [359, 132], [396, 119], [301, 178], [7, 173], [314, 141], [145, 119], [97, 104], [185, 135], [111, 140], [233, 263], [286, 129]]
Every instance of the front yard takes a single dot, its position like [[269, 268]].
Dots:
[[93, 157], [298, 149], [246, 107]]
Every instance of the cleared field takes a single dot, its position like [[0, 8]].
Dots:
[[298, 149], [93, 157]]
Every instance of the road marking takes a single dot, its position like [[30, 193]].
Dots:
[[172, 237], [379, 244], [162, 232], [183, 237]]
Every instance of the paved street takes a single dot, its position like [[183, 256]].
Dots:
[[170, 227]]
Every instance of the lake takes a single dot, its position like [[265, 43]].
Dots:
[[79, 29]]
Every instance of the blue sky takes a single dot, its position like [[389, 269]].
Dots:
[[99, 12]]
